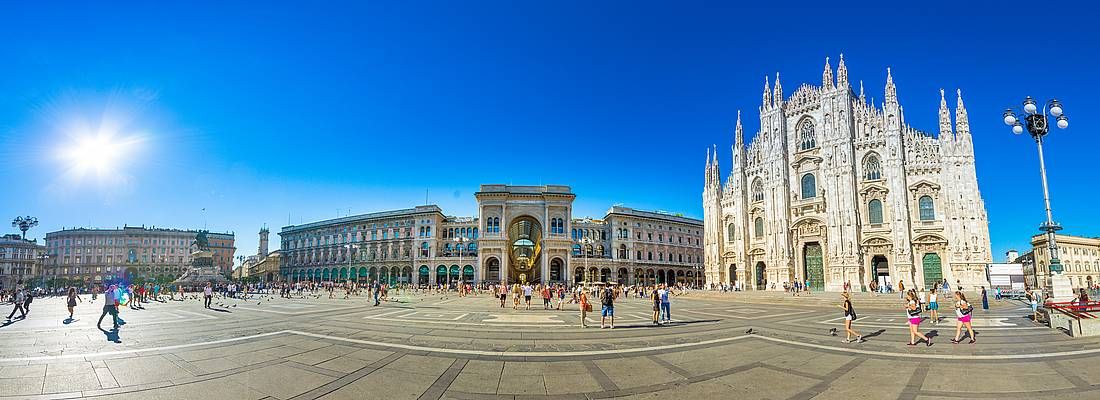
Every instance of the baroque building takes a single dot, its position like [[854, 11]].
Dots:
[[835, 189], [100, 255], [19, 261], [521, 234], [1080, 258]]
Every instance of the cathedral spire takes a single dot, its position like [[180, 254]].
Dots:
[[862, 98], [738, 139], [778, 97], [891, 90], [945, 119], [962, 122], [708, 160], [827, 76], [842, 74], [767, 98]]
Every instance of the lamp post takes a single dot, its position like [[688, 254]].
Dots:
[[459, 240], [1036, 123], [350, 248], [585, 242], [24, 224]]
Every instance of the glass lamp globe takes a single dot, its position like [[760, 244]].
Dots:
[[1029, 108], [1010, 119], [1063, 122], [1017, 129], [1056, 111]]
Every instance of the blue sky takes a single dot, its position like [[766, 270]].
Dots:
[[302, 112]]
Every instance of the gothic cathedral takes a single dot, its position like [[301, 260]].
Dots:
[[835, 190]]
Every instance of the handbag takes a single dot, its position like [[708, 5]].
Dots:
[[588, 307]]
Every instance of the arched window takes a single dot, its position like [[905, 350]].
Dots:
[[927, 208], [809, 186], [806, 135], [874, 211], [757, 190], [872, 169], [758, 227], [729, 232]]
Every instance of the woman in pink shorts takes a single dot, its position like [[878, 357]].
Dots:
[[963, 311], [912, 312]]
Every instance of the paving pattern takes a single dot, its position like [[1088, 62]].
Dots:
[[446, 347]]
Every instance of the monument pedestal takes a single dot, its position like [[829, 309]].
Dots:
[[1061, 288]]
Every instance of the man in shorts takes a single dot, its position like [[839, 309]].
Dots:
[[608, 309]]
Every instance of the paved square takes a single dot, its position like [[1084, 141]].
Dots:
[[431, 347]]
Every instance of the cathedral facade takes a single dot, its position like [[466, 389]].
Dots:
[[833, 189]]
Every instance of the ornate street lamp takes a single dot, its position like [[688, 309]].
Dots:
[[1036, 124], [24, 224]]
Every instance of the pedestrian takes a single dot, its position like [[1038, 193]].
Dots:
[[608, 309], [901, 288], [585, 308], [1034, 301], [546, 297], [516, 290], [934, 305], [985, 300], [527, 289], [110, 306], [71, 301], [666, 304], [656, 307], [17, 300], [28, 296], [849, 316], [502, 289], [561, 296], [963, 311], [207, 295], [912, 312]]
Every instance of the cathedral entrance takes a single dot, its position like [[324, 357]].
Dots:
[[933, 272], [813, 265], [761, 283], [881, 269], [733, 274]]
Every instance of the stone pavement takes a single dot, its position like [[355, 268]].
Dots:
[[445, 347]]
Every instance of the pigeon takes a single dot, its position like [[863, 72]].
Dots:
[[832, 331], [749, 331]]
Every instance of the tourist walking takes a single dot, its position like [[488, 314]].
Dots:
[[656, 307], [71, 301], [502, 289], [585, 307], [912, 312], [666, 303], [110, 306], [934, 306], [963, 311], [527, 290], [849, 316], [607, 298], [985, 300], [1034, 300], [17, 301], [207, 295], [515, 296], [547, 296]]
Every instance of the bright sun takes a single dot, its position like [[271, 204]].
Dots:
[[98, 153]]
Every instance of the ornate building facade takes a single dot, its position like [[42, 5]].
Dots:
[[99, 255], [1080, 258], [20, 261], [521, 234], [833, 189]]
